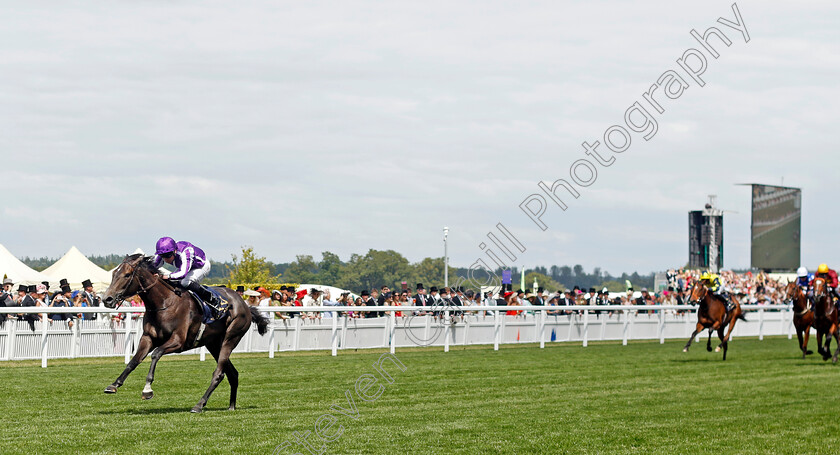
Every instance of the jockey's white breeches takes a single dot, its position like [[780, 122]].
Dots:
[[196, 275]]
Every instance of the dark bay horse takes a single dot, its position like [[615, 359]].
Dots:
[[825, 320], [172, 323], [712, 315], [803, 315]]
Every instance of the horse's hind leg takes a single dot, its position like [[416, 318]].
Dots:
[[142, 351], [724, 341], [219, 374], [836, 333], [230, 372]]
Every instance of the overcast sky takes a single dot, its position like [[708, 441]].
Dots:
[[310, 126]]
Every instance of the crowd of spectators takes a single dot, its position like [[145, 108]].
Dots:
[[748, 287], [39, 295]]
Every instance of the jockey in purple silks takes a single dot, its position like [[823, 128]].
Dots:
[[192, 265]]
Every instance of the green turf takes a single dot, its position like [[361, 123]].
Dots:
[[606, 398]]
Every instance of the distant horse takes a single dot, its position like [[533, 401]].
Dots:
[[712, 315], [825, 320], [173, 321], [803, 315]]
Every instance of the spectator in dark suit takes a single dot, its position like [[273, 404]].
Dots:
[[367, 300], [91, 298], [6, 298], [421, 299], [567, 300]]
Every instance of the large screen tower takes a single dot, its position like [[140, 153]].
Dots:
[[705, 237]]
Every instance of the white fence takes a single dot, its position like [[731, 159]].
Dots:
[[482, 325]]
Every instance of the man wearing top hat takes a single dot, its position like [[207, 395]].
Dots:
[[421, 299], [434, 295], [62, 299], [6, 299], [540, 298], [91, 299]]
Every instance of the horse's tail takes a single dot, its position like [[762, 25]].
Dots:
[[259, 319]]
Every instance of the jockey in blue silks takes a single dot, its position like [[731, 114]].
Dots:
[[192, 265]]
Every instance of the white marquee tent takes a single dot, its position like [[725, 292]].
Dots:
[[20, 273], [75, 267]]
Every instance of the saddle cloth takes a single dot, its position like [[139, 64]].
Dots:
[[207, 312]]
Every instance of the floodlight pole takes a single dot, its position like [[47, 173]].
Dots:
[[445, 257]]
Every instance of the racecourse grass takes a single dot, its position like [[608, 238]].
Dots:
[[644, 398]]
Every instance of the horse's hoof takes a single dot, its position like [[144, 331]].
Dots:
[[196, 409], [685, 349], [232, 408], [709, 348], [717, 349], [110, 389], [148, 395]]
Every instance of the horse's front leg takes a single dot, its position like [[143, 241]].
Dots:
[[709, 342], [806, 335], [693, 334], [820, 347], [171, 345], [142, 351]]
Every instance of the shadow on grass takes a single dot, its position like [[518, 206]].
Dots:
[[169, 410]]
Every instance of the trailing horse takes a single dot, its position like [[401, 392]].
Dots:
[[825, 320], [712, 315], [173, 323], [803, 315]]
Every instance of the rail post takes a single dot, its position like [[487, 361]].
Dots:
[[496, 327], [393, 317], [127, 349], [585, 327], [446, 328], [661, 325], [761, 324], [10, 337], [271, 335], [44, 323], [542, 328], [334, 333], [626, 327]]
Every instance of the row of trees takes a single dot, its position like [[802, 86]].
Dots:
[[377, 268]]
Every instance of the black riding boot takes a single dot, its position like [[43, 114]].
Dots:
[[207, 296]]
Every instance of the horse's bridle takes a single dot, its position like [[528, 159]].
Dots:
[[789, 301], [119, 297]]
